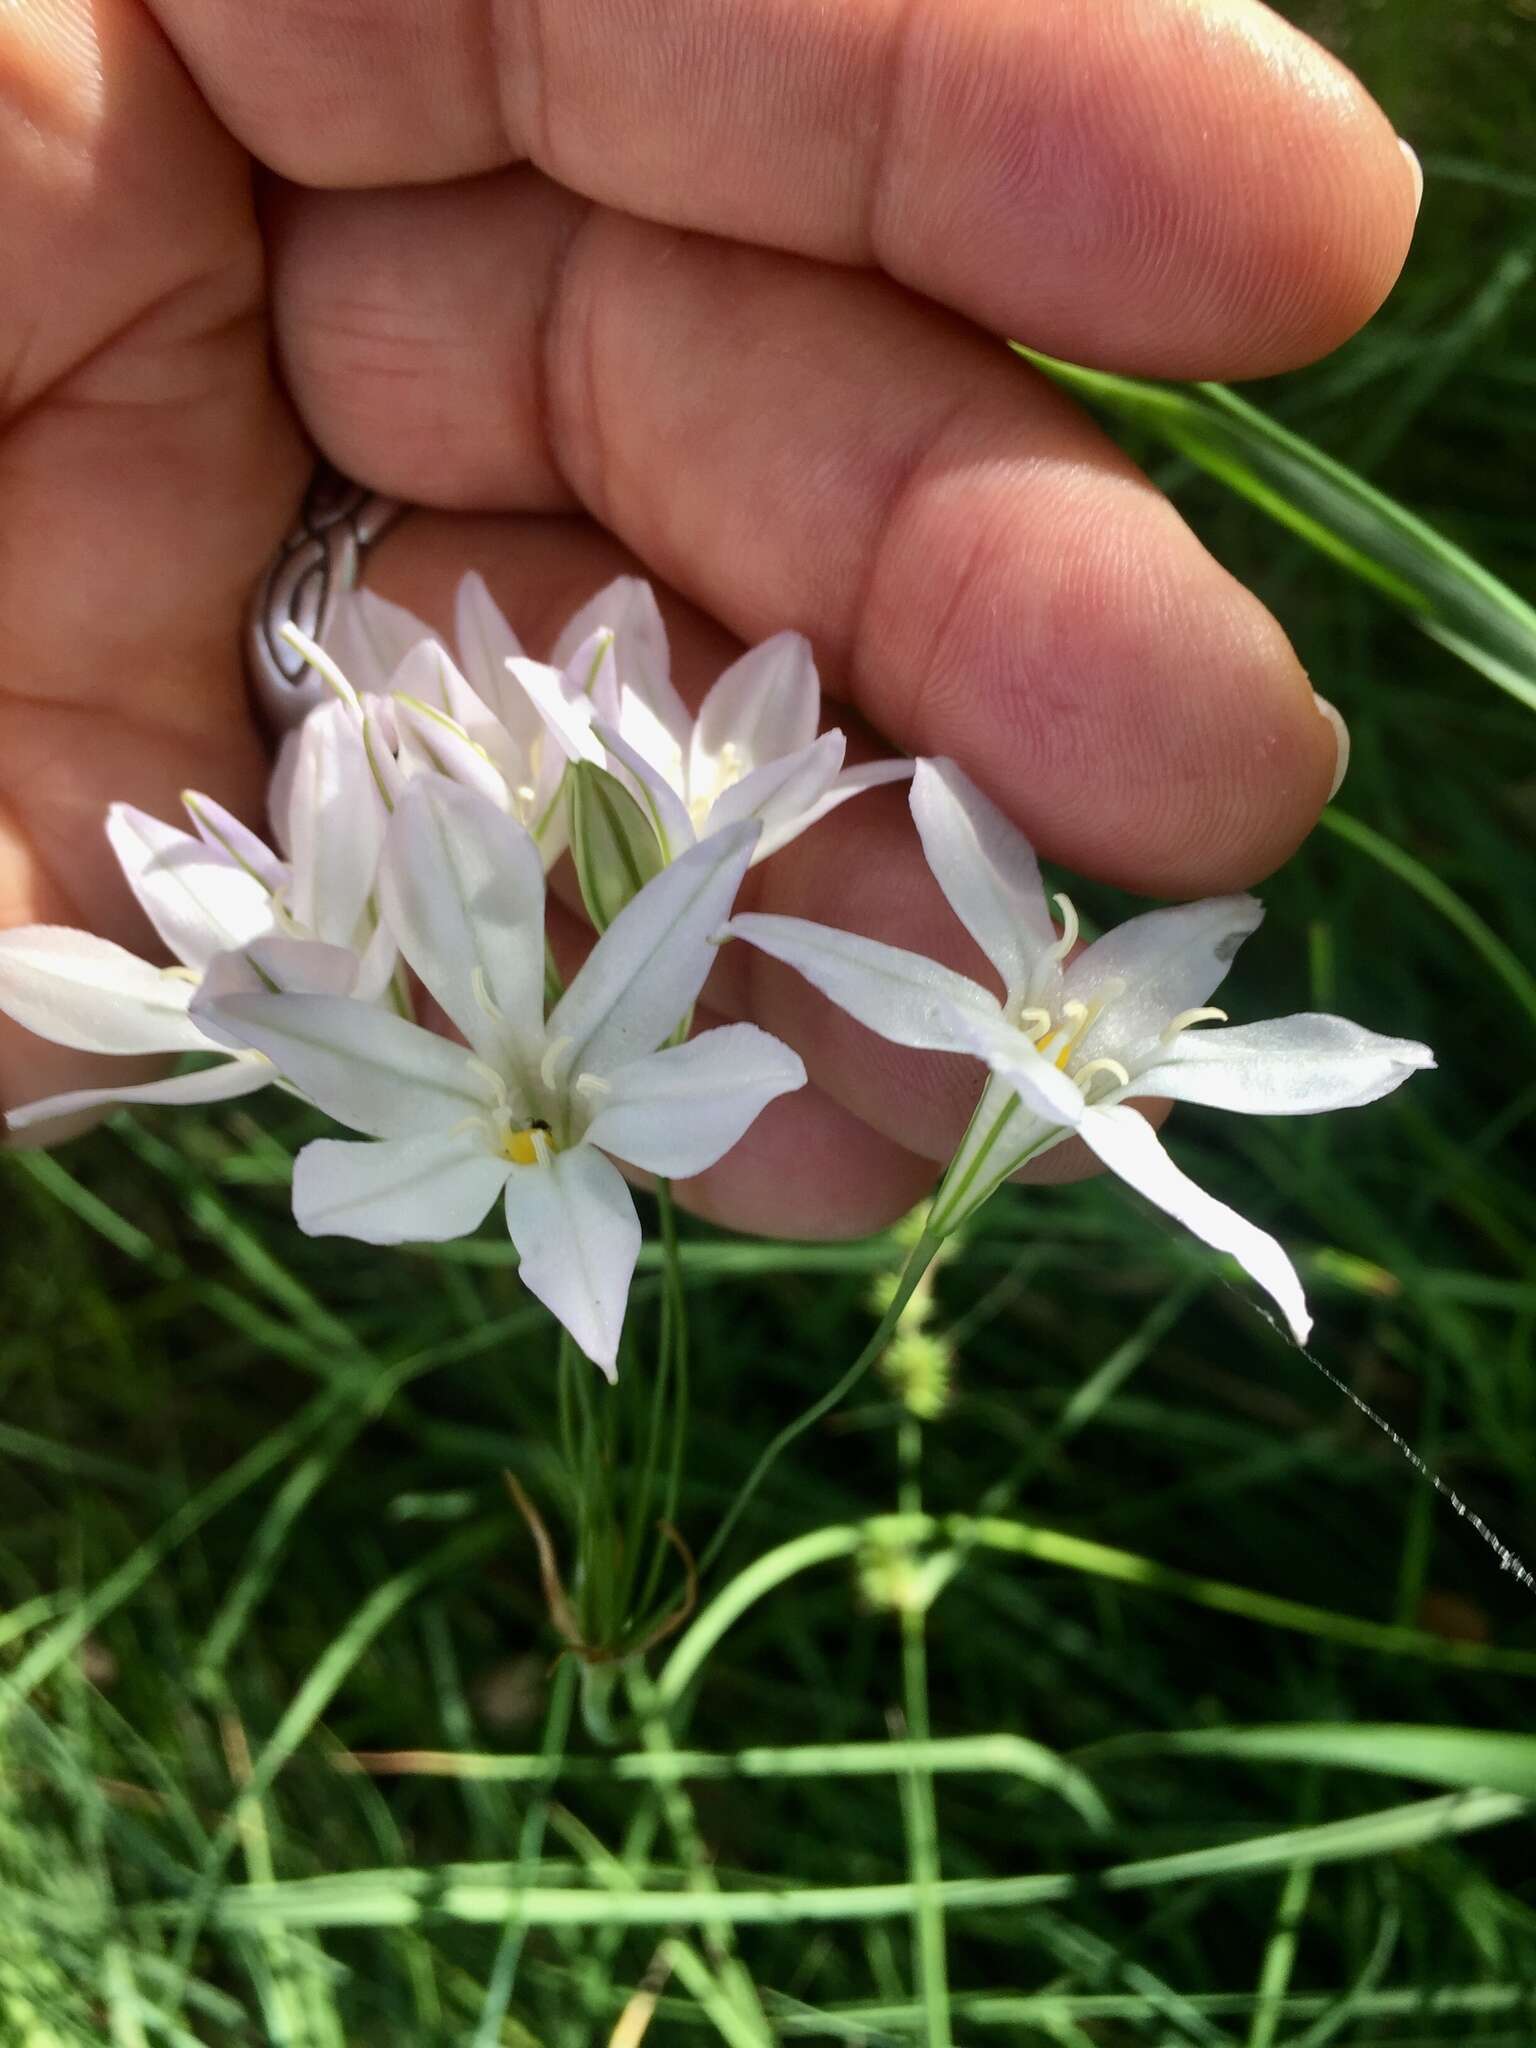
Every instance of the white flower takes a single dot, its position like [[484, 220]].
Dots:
[[424, 711], [1069, 1042], [751, 753], [527, 1109], [306, 923]]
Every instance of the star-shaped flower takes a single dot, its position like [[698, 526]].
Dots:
[[528, 1108], [1071, 1039], [752, 751], [227, 907]]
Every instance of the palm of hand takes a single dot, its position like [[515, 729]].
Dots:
[[789, 442]]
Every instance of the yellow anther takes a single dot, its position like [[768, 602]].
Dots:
[[180, 974], [1085, 1073], [1185, 1018], [1069, 930], [522, 1147]]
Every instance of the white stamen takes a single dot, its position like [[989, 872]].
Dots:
[[543, 1151], [593, 1084], [549, 1066], [181, 974], [1041, 1020], [482, 993], [1185, 1018], [492, 1080], [1102, 1066], [1069, 922]]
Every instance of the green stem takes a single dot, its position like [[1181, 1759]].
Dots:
[[921, 1810], [918, 1261], [530, 1842], [682, 1822]]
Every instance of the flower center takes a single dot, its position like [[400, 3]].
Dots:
[[1058, 1036], [728, 767]]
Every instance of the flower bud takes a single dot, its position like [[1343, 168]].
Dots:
[[613, 843]]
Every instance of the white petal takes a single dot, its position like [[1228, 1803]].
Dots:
[[1288, 1066], [1168, 961], [195, 896], [649, 786], [429, 675], [432, 743], [336, 817], [486, 643], [462, 887], [678, 1111], [766, 704], [905, 997], [782, 794], [577, 1238], [280, 792], [1129, 1146], [642, 978], [627, 608], [850, 783], [220, 828], [275, 966], [210, 1084], [986, 868], [368, 637], [85, 992], [366, 1068], [421, 1190], [566, 712], [1040, 1085], [375, 966]]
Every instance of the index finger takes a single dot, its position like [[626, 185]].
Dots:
[[1176, 187]]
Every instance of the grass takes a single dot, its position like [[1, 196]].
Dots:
[[1136, 1692]]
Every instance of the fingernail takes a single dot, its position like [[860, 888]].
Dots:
[[1418, 173], [1340, 742]]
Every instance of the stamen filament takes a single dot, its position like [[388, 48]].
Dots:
[[1185, 1018], [554, 1053], [1069, 923], [1101, 1066], [494, 1081], [481, 986]]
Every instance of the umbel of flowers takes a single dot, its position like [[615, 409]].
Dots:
[[412, 822]]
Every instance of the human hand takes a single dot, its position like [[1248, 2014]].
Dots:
[[736, 324]]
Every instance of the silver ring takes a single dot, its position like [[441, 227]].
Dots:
[[321, 557]]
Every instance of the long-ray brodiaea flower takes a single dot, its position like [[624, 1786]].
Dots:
[[752, 752], [424, 711], [529, 1108], [306, 921], [1071, 1039]]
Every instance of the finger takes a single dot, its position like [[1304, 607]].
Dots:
[[983, 574], [1184, 187], [148, 465]]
